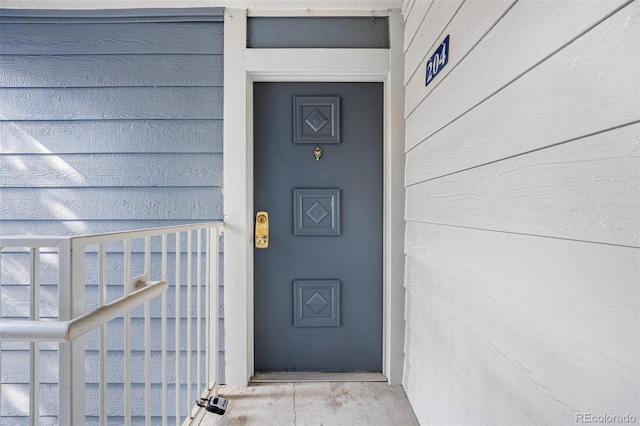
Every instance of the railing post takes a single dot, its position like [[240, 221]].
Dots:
[[34, 351], [0, 320], [71, 404]]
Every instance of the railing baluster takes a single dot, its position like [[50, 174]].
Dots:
[[177, 325], [189, 313], [207, 308], [199, 380], [214, 307], [165, 370], [34, 353], [127, 336], [0, 320], [102, 290], [147, 334]]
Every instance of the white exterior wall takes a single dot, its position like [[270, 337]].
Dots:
[[522, 217]]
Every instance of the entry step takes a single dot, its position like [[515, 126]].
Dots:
[[317, 377]]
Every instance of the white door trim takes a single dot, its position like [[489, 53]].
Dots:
[[244, 66]]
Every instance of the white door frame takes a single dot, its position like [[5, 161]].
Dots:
[[243, 67]]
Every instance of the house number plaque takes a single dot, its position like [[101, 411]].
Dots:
[[438, 61]]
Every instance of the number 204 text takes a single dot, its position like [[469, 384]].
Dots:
[[437, 61]]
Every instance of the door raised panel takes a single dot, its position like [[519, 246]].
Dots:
[[316, 211], [316, 119], [316, 303]]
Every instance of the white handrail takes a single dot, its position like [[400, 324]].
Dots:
[[67, 331], [107, 237]]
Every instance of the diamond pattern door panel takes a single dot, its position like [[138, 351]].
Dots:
[[316, 211], [316, 119], [316, 303]]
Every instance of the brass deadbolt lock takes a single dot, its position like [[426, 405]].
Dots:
[[262, 230]]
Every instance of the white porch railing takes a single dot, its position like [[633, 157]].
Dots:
[[100, 279]]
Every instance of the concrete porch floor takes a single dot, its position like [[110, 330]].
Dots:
[[313, 403]]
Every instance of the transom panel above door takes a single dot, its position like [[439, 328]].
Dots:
[[318, 176]]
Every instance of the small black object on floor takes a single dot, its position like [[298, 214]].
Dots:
[[215, 404]]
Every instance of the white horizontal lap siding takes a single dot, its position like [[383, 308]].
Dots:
[[106, 123], [512, 47], [584, 190], [522, 206]]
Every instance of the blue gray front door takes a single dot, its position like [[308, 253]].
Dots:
[[318, 175]]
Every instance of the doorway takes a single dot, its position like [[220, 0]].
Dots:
[[318, 176]]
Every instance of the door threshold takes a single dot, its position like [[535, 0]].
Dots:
[[316, 377]]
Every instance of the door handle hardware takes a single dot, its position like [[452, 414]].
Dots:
[[262, 230], [317, 152]]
